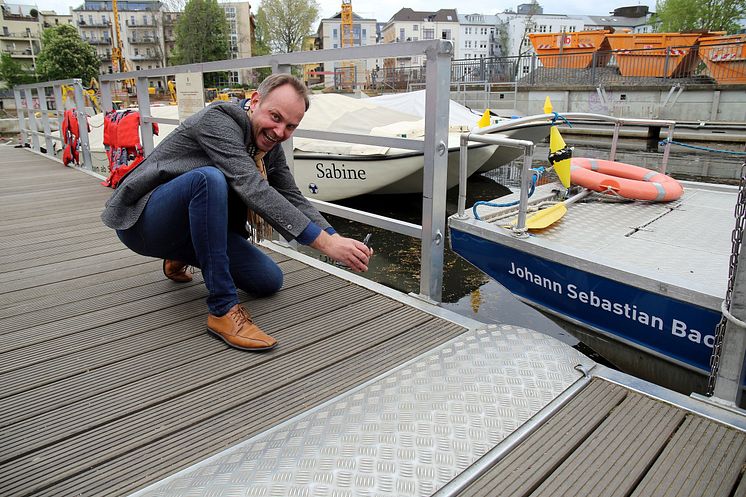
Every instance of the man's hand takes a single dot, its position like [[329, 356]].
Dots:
[[352, 253]]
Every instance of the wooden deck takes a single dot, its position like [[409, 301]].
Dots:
[[109, 382], [108, 379]]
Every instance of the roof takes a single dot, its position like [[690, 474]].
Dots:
[[616, 21], [355, 17], [477, 19], [443, 15]]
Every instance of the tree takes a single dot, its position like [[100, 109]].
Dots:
[[201, 33], [13, 72], [65, 55], [698, 15], [284, 23]]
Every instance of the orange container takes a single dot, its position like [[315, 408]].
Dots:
[[725, 57], [569, 50], [644, 54]]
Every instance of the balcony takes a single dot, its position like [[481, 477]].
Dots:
[[145, 57], [19, 53], [140, 40], [18, 35], [96, 24], [100, 41], [140, 24], [104, 58]]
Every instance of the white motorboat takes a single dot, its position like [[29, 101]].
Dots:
[[460, 116]]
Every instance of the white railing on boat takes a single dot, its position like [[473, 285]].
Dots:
[[490, 134]]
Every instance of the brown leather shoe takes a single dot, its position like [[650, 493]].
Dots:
[[238, 330], [176, 271]]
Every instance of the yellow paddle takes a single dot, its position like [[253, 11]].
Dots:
[[546, 217]]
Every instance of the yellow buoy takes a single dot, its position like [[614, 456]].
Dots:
[[485, 120], [562, 167], [547, 105]]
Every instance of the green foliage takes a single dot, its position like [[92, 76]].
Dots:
[[284, 23], [698, 15], [65, 55], [13, 72], [201, 33]]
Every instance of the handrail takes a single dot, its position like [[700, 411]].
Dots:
[[484, 135], [434, 145]]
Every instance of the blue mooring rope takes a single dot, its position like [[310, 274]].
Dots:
[[708, 149], [537, 173], [560, 116]]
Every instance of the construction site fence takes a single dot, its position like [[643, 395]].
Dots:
[[722, 64]]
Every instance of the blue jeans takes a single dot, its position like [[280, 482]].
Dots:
[[186, 220]]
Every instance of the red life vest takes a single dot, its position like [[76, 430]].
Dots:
[[71, 137], [122, 142]]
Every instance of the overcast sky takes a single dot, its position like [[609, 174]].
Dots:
[[382, 10]]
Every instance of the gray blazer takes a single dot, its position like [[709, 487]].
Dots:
[[218, 135]]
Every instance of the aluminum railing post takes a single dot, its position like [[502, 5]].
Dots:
[[107, 104], [730, 374], [143, 104], [42, 94], [33, 128], [22, 120], [436, 170], [82, 124]]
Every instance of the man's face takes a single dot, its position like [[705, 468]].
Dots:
[[275, 116]]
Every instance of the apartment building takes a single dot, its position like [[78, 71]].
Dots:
[[410, 25], [240, 25], [329, 35], [140, 33], [21, 32], [477, 33]]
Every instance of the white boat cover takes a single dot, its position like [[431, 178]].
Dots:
[[343, 114]]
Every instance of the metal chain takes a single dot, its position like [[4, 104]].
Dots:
[[736, 239]]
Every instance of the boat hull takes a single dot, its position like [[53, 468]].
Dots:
[[679, 332]]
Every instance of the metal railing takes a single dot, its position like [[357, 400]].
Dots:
[[29, 123], [486, 135], [434, 147], [694, 64]]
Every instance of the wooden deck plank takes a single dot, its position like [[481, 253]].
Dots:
[[615, 450], [128, 327], [528, 465], [704, 458], [111, 358], [242, 375]]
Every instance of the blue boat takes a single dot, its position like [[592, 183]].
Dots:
[[641, 283]]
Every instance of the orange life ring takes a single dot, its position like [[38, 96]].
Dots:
[[625, 180]]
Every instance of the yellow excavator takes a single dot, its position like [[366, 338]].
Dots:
[[89, 94]]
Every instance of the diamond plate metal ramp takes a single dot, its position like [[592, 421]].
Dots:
[[406, 433]]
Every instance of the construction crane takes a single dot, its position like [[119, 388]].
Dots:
[[118, 63], [347, 69]]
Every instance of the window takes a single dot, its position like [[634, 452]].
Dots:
[[334, 33], [428, 34], [145, 20], [446, 34], [137, 51], [365, 33], [542, 28], [132, 20], [468, 31], [401, 34], [90, 19], [104, 20], [415, 27], [80, 20]]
